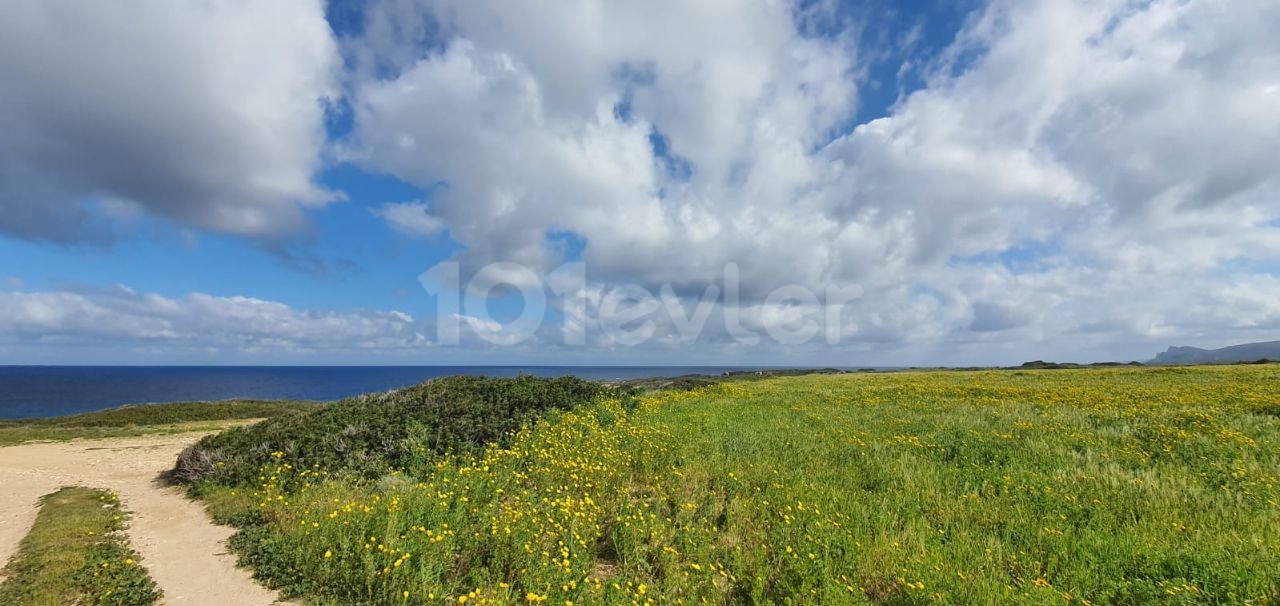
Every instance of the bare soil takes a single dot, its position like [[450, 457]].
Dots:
[[183, 550]]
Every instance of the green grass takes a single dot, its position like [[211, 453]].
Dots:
[[1104, 486], [145, 420], [76, 553]]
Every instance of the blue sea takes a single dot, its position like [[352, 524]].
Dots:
[[47, 391]]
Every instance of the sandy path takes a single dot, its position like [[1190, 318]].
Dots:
[[185, 552]]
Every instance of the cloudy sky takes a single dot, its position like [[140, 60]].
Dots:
[[237, 181]]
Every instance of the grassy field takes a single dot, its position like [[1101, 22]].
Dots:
[[1103, 486], [76, 553], [144, 419]]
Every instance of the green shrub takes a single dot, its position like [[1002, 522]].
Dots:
[[370, 435]]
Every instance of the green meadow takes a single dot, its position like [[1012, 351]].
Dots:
[[1098, 486]]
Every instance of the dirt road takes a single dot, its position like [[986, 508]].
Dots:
[[185, 552]]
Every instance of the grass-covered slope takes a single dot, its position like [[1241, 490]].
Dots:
[[144, 419], [371, 435], [76, 553], [1117, 486]]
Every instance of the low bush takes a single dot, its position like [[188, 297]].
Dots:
[[368, 436]]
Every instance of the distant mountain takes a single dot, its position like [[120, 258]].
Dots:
[[1249, 352]]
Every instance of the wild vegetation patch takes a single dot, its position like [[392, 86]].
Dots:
[[1103, 486], [372, 435], [76, 553]]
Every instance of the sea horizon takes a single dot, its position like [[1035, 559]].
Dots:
[[32, 391], [735, 366]]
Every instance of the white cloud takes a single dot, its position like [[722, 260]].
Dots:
[[122, 318], [413, 218], [1070, 165], [524, 127], [205, 113]]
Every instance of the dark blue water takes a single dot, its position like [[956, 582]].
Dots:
[[47, 391]]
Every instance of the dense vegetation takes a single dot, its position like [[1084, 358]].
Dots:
[[144, 419], [1108, 486], [372, 435], [76, 553]]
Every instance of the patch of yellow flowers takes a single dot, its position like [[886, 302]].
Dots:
[[917, 487]]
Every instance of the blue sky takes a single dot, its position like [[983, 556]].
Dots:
[[941, 163]]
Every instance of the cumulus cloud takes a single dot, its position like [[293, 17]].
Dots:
[[209, 114], [1067, 166], [547, 123], [1080, 116]]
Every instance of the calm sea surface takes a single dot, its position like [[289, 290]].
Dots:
[[46, 391]]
